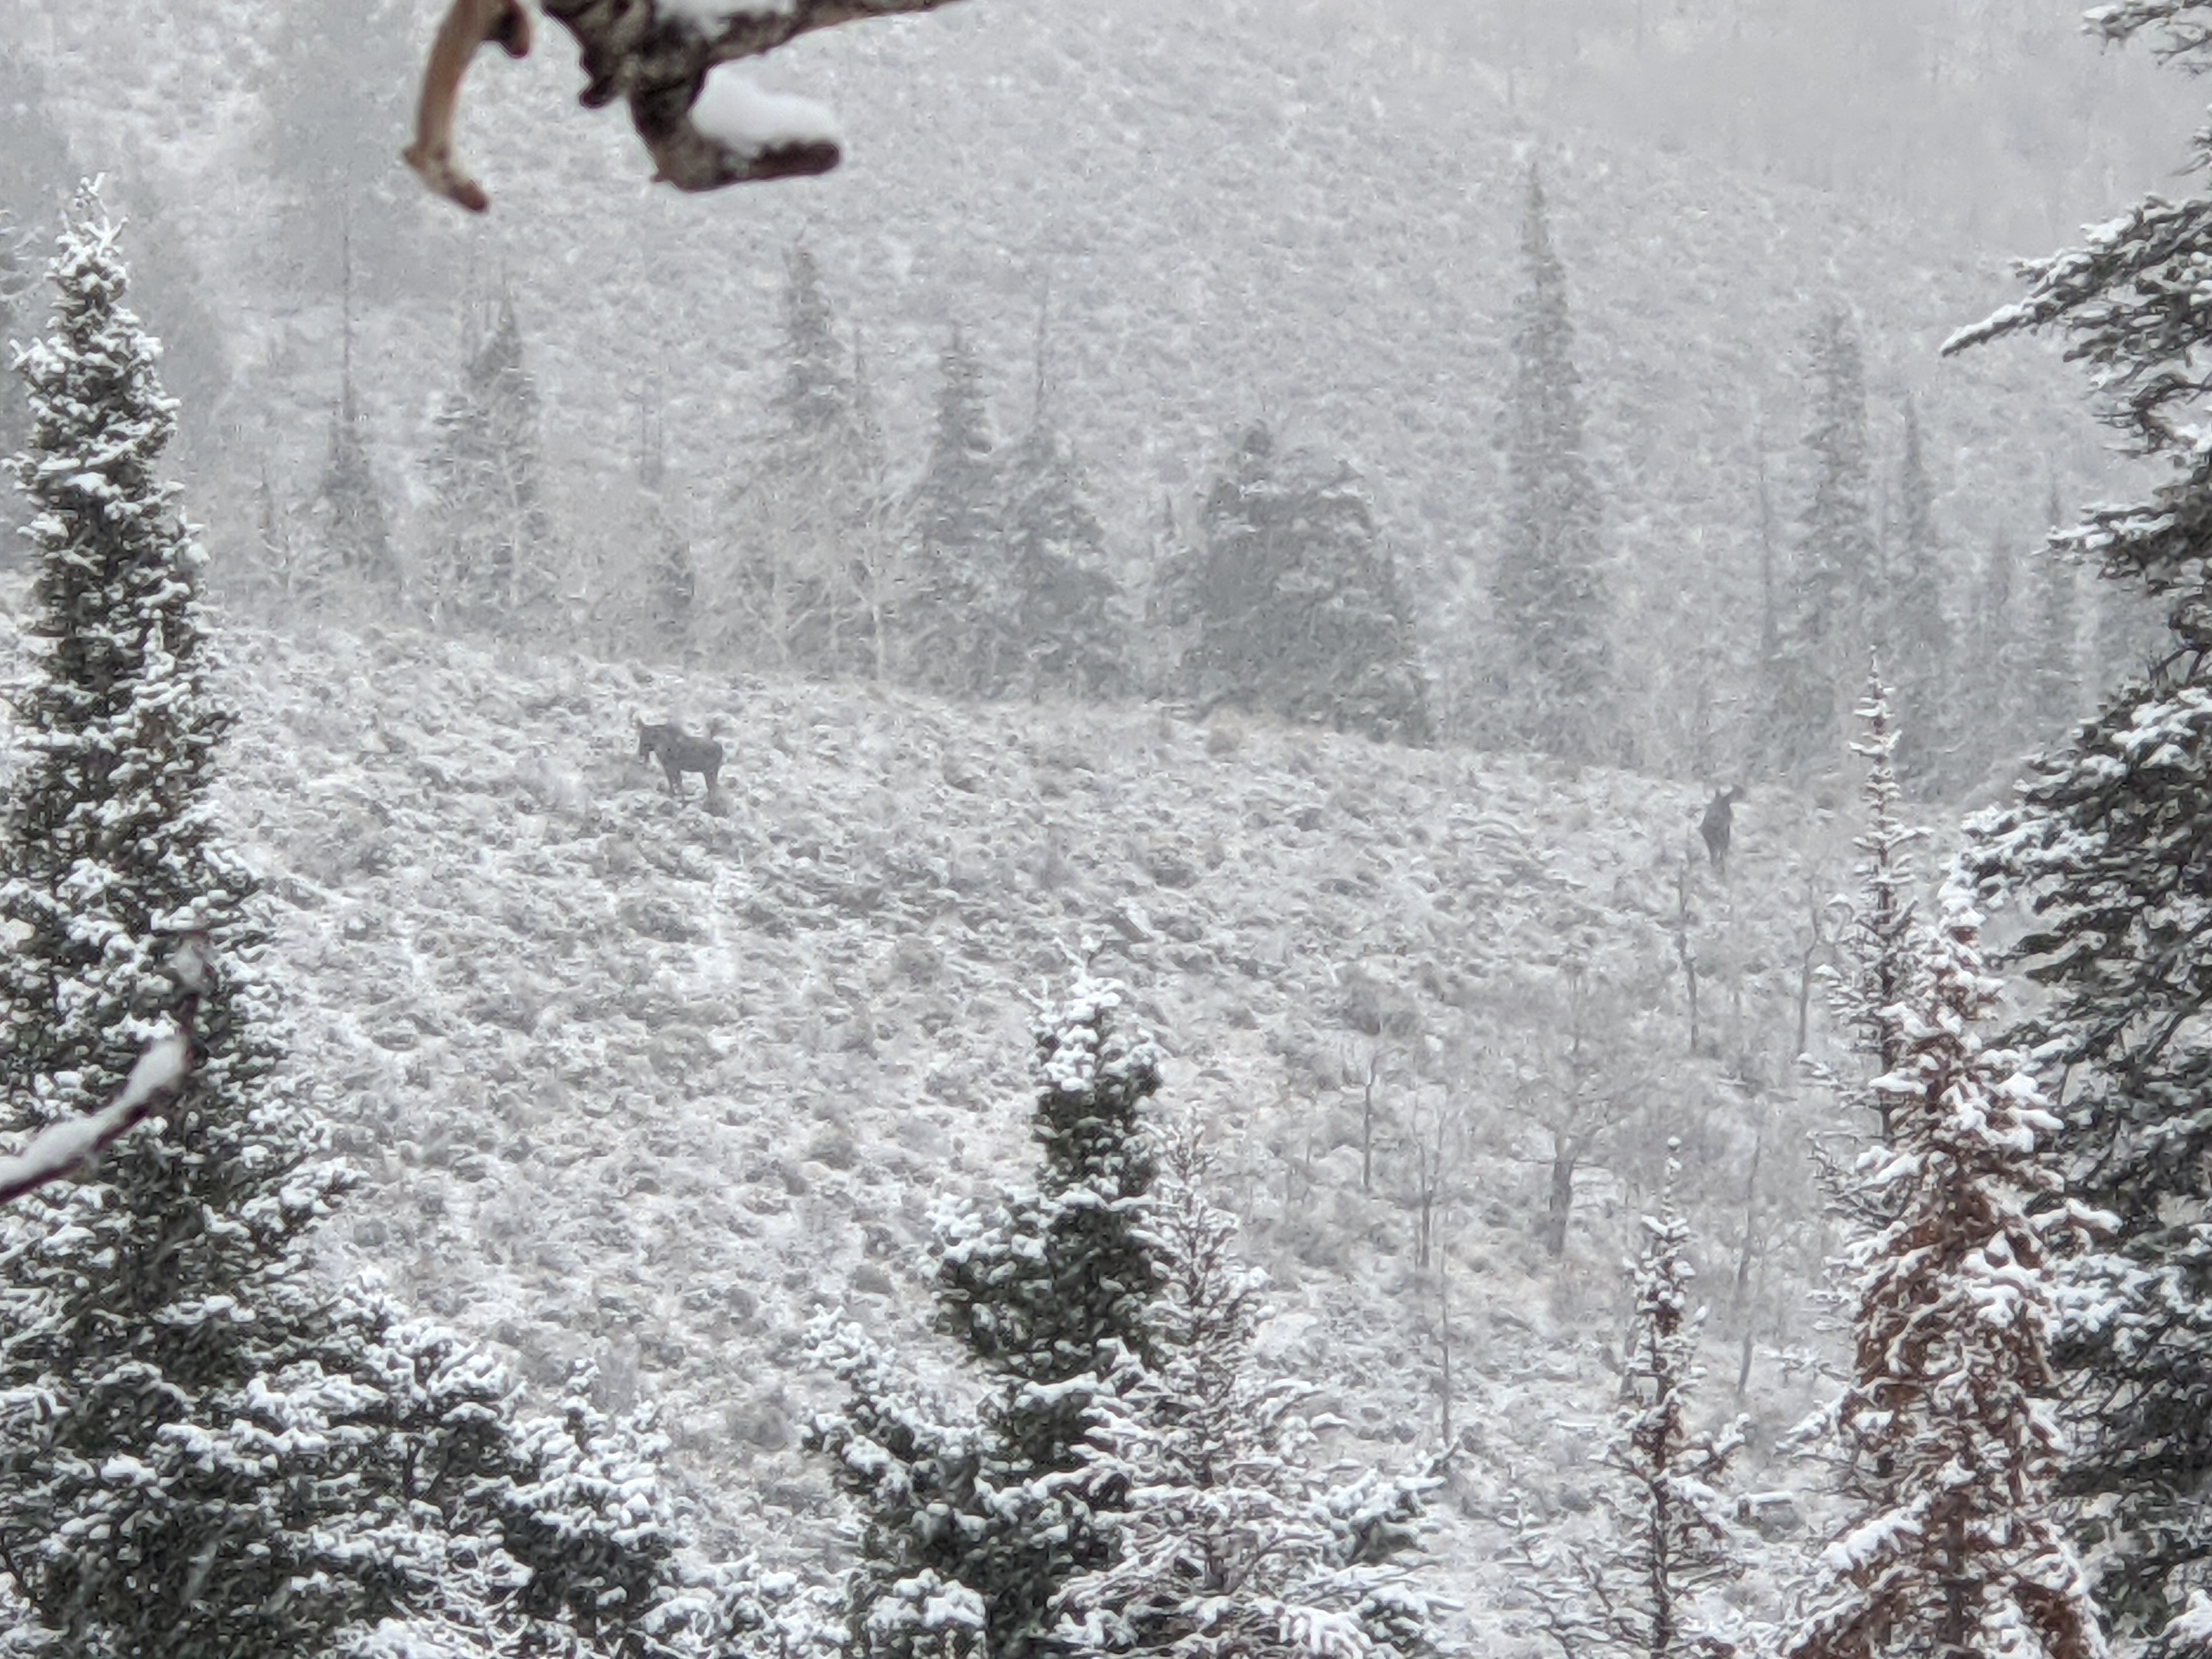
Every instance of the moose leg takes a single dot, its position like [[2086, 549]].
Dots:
[[675, 775]]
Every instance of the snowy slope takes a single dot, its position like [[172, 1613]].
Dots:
[[652, 1083], [1310, 222]]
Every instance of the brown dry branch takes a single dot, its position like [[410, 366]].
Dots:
[[656, 55]]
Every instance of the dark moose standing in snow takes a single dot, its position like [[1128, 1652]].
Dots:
[[1718, 823], [678, 754]]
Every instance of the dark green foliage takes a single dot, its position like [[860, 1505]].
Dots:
[[1832, 590], [1295, 602], [958, 607], [2109, 847], [1917, 643], [1069, 638], [489, 559], [813, 586], [109, 840], [675, 584], [2111, 844], [1552, 688], [819, 398], [986, 1518], [1993, 701], [204, 1454], [1240, 1544], [357, 539]]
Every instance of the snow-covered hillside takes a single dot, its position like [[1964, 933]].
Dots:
[[1311, 222], [654, 1082]]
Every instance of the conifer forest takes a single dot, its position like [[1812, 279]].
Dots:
[[1105, 830]]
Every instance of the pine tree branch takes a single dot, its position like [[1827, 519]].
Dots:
[[60, 1150]]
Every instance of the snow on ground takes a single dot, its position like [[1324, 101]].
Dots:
[[654, 1081]]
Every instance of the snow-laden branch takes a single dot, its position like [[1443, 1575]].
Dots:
[[60, 1150]]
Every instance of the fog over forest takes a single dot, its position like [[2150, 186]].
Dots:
[[1233, 829]]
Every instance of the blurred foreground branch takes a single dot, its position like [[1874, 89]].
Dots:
[[60, 1150]]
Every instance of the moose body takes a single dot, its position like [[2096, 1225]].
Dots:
[[1718, 824], [678, 754]]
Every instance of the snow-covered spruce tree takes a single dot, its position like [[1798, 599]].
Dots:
[[1991, 698], [349, 508], [1832, 585], [956, 615], [1070, 640], [1944, 1437], [971, 1529], [1552, 691], [2107, 849], [489, 557], [1225, 1538], [1295, 604], [203, 1454], [808, 587], [1881, 951], [1643, 1590], [1915, 638]]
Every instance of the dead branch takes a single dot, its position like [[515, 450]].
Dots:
[[656, 55]]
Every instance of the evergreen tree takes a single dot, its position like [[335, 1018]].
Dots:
[[1917, 638], [1225, 1538], [1298, 607], [1553, 690], [674, 584], [489, 563], [203, 1454], [958, 613], [818, 400], [2053, 691], [1995, 700], [672, 576], [2129, 637], [972, 1527], [1833, 586], [356, 539], [333, 115], [1645, 1591], [1880, 952], [1945, 1435], [811, 590], [2107, 849], [1068, 637]]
